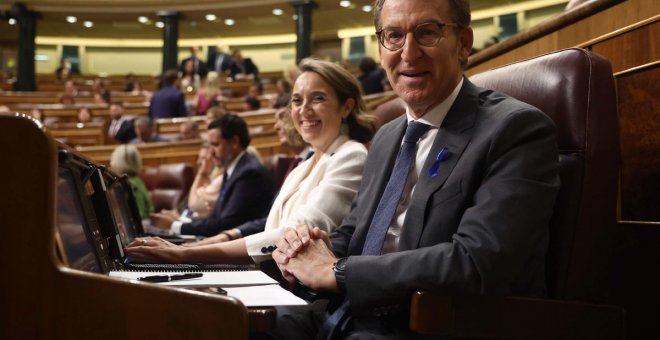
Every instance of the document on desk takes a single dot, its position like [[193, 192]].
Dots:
[[265, 296], [209, 279]]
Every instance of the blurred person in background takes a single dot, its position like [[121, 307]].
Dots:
[[126, 159]]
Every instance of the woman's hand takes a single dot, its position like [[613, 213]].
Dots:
[[155, 249]]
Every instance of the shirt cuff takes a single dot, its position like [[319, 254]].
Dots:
[[238, 231], [175, 228]]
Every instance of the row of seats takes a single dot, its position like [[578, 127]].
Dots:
[[169, 184]]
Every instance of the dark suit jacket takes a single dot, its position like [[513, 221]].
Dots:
[[126, 131], [202, 69], [250, 68], [168, 102], [372, 82], [252, 227], [248, 194], [223, 65], [479, 227]]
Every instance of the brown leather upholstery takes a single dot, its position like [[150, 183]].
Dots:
[[389, 110], [576, 89], [277, 166], [171, 185], [150, 177]]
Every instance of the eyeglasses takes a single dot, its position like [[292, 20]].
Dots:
[[427, 34]]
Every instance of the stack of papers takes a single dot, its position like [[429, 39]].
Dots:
[[209, 279], [253, 287]]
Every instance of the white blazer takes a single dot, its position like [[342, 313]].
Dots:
[[318, 195]]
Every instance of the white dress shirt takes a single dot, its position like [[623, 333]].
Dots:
[[434, 117]]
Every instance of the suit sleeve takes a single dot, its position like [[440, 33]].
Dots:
[[252, 227], [502, 224], [181, 106]]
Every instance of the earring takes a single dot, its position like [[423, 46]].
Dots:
[[344, 129]]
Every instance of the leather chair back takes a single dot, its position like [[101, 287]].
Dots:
[[149, 176], [576, 89], [277, 165], [173, 182]]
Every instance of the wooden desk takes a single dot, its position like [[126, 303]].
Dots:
[[45, 299], [79, 134], [153, 154], [172, 125]]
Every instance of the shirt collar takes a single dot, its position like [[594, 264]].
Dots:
[[232, 165], [436, 115]]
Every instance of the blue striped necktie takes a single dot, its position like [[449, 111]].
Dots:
[[389, 201]]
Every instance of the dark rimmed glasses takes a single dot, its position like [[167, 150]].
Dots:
[[427, 34]]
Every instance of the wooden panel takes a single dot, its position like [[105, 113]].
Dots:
[[42, 299], [633, 48], [639, 123], [79, 134], [153, 154], [53, 98], [636, 279], [619, 16], [173, 125]]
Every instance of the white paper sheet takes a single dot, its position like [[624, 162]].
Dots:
[[210, 279], [265, 296]]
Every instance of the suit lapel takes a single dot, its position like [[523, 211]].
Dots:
[[454, 135], [229, 186]]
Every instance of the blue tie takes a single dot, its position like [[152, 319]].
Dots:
[[382, 219], [223, 186]]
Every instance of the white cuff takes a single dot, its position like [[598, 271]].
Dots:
[[175, 228]]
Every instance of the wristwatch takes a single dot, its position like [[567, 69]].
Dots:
[[340, 273]]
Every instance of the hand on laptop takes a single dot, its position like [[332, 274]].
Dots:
[[152, 249]]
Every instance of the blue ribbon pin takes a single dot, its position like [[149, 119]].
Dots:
[[442, 155]]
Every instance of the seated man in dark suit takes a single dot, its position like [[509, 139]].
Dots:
[[144, 132], [121, 127], [168, 102], [456, 197], [371, 77], [247, 190], [242, 68]]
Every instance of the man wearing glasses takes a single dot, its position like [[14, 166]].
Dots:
[[456, 197]]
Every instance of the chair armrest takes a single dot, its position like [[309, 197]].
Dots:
[[514, 317]]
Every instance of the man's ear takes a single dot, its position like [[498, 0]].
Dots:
[[235, 143], [465, 40]]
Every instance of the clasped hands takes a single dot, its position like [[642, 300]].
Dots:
[[305, 255]]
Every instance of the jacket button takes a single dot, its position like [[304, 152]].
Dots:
[[264, 250]]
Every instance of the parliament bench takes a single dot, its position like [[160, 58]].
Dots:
[[42, 298]]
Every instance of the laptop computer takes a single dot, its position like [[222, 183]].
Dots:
[[96, 221]]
